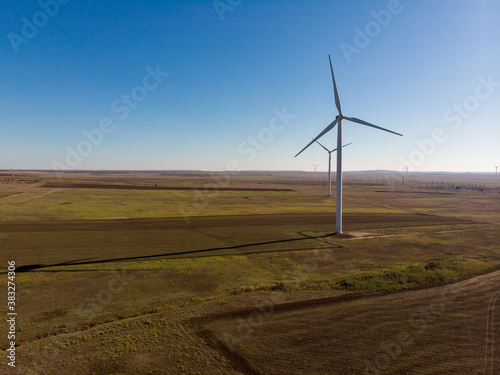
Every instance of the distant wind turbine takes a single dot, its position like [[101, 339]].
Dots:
[[330, 165], [315, 165], [496, 168], [338, 120]]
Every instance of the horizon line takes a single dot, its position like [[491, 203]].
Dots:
[[68, 171]]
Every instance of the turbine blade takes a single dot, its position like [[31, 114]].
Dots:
[[342, 147], [354, 119], [327, 129], [322, 146], [337, 99]]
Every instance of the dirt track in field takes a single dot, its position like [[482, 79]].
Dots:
[[443, 330]]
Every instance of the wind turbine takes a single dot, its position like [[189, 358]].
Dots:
[[315, 165], [330, 165], [338, 120], [496, 168]]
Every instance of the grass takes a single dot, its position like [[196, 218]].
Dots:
[[166, 284], [84, 204], [434, 273], [137, 317], [420, 331], [144, 287]]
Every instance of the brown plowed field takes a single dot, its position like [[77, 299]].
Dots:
[[356, 221], [146, 187], [94, 241], [443, 330]]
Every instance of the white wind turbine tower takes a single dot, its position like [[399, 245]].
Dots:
[[338, 120], [315, 165], [496, 168], [330, 165]]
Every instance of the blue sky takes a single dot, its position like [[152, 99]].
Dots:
[[209, 85]]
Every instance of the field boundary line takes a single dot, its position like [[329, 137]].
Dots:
[[191, 337], [58, 185], [490, 332], [342, 297], [465, 230], [417, 234], [237, 360], [30, 195]]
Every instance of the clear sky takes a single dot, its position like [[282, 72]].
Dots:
[[246, 84]]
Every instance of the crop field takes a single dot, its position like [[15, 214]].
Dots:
[[242, 273]]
